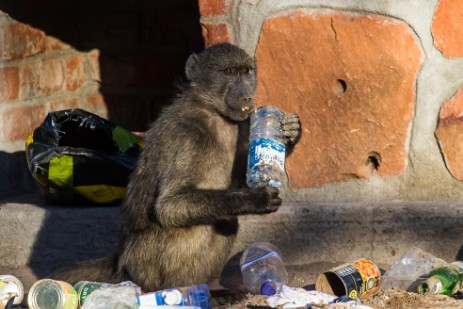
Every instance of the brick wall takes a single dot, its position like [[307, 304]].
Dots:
[[118, 59], [376, 85]]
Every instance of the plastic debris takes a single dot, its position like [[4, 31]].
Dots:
[[410, 270], [262, 269], [298, 297], [120, 296]]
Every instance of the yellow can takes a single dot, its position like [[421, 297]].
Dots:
[[52, 294], [360, 278]]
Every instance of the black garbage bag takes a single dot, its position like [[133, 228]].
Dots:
[[77, 156]]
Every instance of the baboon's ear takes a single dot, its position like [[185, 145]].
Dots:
[[190, 66]]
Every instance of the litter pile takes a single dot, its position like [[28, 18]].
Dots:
[[416, 280]]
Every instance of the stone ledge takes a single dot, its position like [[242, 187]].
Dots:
[[38, 238]]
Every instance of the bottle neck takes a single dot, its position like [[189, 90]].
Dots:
[[432, 285], [268, 288]]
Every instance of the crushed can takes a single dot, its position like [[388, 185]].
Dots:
[[10, 287], [356, 279], [52, 294]]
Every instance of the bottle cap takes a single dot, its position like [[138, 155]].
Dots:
[[172, 297], [267, 288]]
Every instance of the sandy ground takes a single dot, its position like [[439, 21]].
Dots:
[[384, 299], [305, 276]]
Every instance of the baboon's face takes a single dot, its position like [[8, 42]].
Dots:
[[226, 76]]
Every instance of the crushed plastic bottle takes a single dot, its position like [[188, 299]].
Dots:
[[262, 269], [446, 280], [110, 296], [266, 159], [196, 296]]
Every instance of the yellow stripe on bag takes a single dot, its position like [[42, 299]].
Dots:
[[30, 139], [60, 171], [101, 193]]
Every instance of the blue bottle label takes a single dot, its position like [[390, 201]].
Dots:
[[266, 162]]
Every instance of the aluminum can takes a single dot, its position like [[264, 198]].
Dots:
[[10, 286], [52, 294], [84, 289], [360, 278]]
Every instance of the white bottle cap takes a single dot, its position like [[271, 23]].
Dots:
[[172, 297]]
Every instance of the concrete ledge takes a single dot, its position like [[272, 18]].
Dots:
[[39, 238]]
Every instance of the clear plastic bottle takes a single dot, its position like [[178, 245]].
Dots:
[[446, 280], [266, 160], [262, 269], [196, 295]]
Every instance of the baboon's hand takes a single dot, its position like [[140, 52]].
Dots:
[[291, 127], [258, 200]]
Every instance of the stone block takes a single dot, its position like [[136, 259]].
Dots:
[[352, 79], [448, 133], [446, 28]]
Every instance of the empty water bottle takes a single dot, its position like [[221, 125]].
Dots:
[[196, 295], [262, 269], [266, 160]]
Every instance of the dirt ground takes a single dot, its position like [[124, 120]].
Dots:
[[384, 299], [306, 275]]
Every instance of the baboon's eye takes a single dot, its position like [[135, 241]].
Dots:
[[244, 71], [230, 71]]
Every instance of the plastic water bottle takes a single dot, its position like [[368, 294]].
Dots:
[[266, 160], [262, 269], [445, 280], [196, 295]]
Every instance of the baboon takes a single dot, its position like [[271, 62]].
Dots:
[[179, 216]]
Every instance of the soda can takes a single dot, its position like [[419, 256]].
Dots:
[[10, 286], [360, 278], [84, 289], [52, 294]]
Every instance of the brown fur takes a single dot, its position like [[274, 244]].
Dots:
[[179, 217]]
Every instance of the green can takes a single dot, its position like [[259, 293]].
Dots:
[[84, 289]]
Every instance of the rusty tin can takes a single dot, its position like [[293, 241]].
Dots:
[[52, 294], [10, 287], [360, 278]]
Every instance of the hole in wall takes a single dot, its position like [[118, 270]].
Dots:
[[373, 160], [339, 87]]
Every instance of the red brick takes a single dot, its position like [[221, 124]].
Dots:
[[74, 72], [212, 7], [96, 104], [9, 84], [215, 33], [42, 78], [63, 103], [21, 41], [19, 122], [53, 44], [446, 28], [93, 65], [351, 78], [449, 135]]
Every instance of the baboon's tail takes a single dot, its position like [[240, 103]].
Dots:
[[100, 270]]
